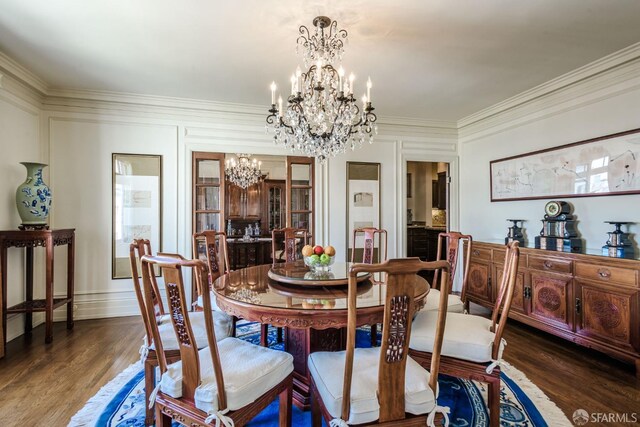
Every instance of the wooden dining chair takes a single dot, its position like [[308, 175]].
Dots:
[[382, 385], [449, 248], [368, 254], [211, 247], [228, 381], [287, 242], [148, 351], [472, 346]]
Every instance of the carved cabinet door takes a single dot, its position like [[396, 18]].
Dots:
[[479, 283], [551, 295], [607, 313], [521, 301]]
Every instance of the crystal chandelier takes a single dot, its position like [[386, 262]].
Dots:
[[243, 172], [321, 118]]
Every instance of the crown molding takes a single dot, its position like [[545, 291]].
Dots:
[[19, 72], [597, 67], [417, 122], [62, 96], [597, 88]]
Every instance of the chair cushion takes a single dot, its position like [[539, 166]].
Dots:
[[454, 303], [249, 372], [466, 336], [214, 304], [327, 370], [222, 327]]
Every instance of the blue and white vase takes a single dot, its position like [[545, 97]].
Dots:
[[33, 197]]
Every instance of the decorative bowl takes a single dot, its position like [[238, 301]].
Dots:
[[320, 274], [319, 262]]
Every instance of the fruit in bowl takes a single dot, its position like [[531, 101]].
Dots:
[[318, 257]]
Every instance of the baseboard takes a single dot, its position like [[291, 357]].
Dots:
[[85, 307]]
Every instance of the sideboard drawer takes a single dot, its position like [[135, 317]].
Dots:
[[480, 253], [500, 254], [623, 276], [550, 264]]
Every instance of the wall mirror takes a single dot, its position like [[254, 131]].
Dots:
[[137, 206], [363, 204]]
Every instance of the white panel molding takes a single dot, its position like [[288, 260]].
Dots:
[[117, 120], [446, 147], [602, 79]]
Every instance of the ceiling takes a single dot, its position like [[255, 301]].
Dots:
[[428, 59]]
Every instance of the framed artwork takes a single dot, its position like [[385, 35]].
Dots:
[[363, 202], [136, 205], [608, 165]]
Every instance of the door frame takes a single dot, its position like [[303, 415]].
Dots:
[[453, 214]]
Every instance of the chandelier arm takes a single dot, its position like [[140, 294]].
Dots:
[[271, 118], [303, 29]]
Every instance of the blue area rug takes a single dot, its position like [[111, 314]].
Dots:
[[121, 402]]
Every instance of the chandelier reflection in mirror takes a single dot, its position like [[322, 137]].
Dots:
[[322, 118], [243, 172]]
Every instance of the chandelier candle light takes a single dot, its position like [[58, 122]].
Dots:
[[321, 118], [243, 172]]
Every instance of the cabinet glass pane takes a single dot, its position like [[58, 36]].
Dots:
[[275, 208], [207, 221], [301, 174], [208, 198], [300, 199], [208, 172], [301, 220]]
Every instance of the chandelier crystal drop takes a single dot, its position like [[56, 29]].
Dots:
[[243, 172], [322, 117]]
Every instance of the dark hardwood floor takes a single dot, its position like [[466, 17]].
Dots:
[[46, 384]]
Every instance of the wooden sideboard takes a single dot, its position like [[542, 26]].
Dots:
[[591, 300]]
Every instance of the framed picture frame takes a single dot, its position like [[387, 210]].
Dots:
[[136, 206], [363, 202], [604, 166]]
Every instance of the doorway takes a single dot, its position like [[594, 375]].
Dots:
[[427, 202]]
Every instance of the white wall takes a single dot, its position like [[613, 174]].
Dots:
[[19, 142], [595, 108], [81, 179]]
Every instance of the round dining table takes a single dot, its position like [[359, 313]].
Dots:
[[312, 306]]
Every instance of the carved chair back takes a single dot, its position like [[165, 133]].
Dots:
[[286, 243], [369, 235], [398, 317], [505, 295], [171, 266], [137, 249], [216, 253], [453, 240]]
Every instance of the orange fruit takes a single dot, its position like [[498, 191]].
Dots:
[[307, 250], [330, 250]]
